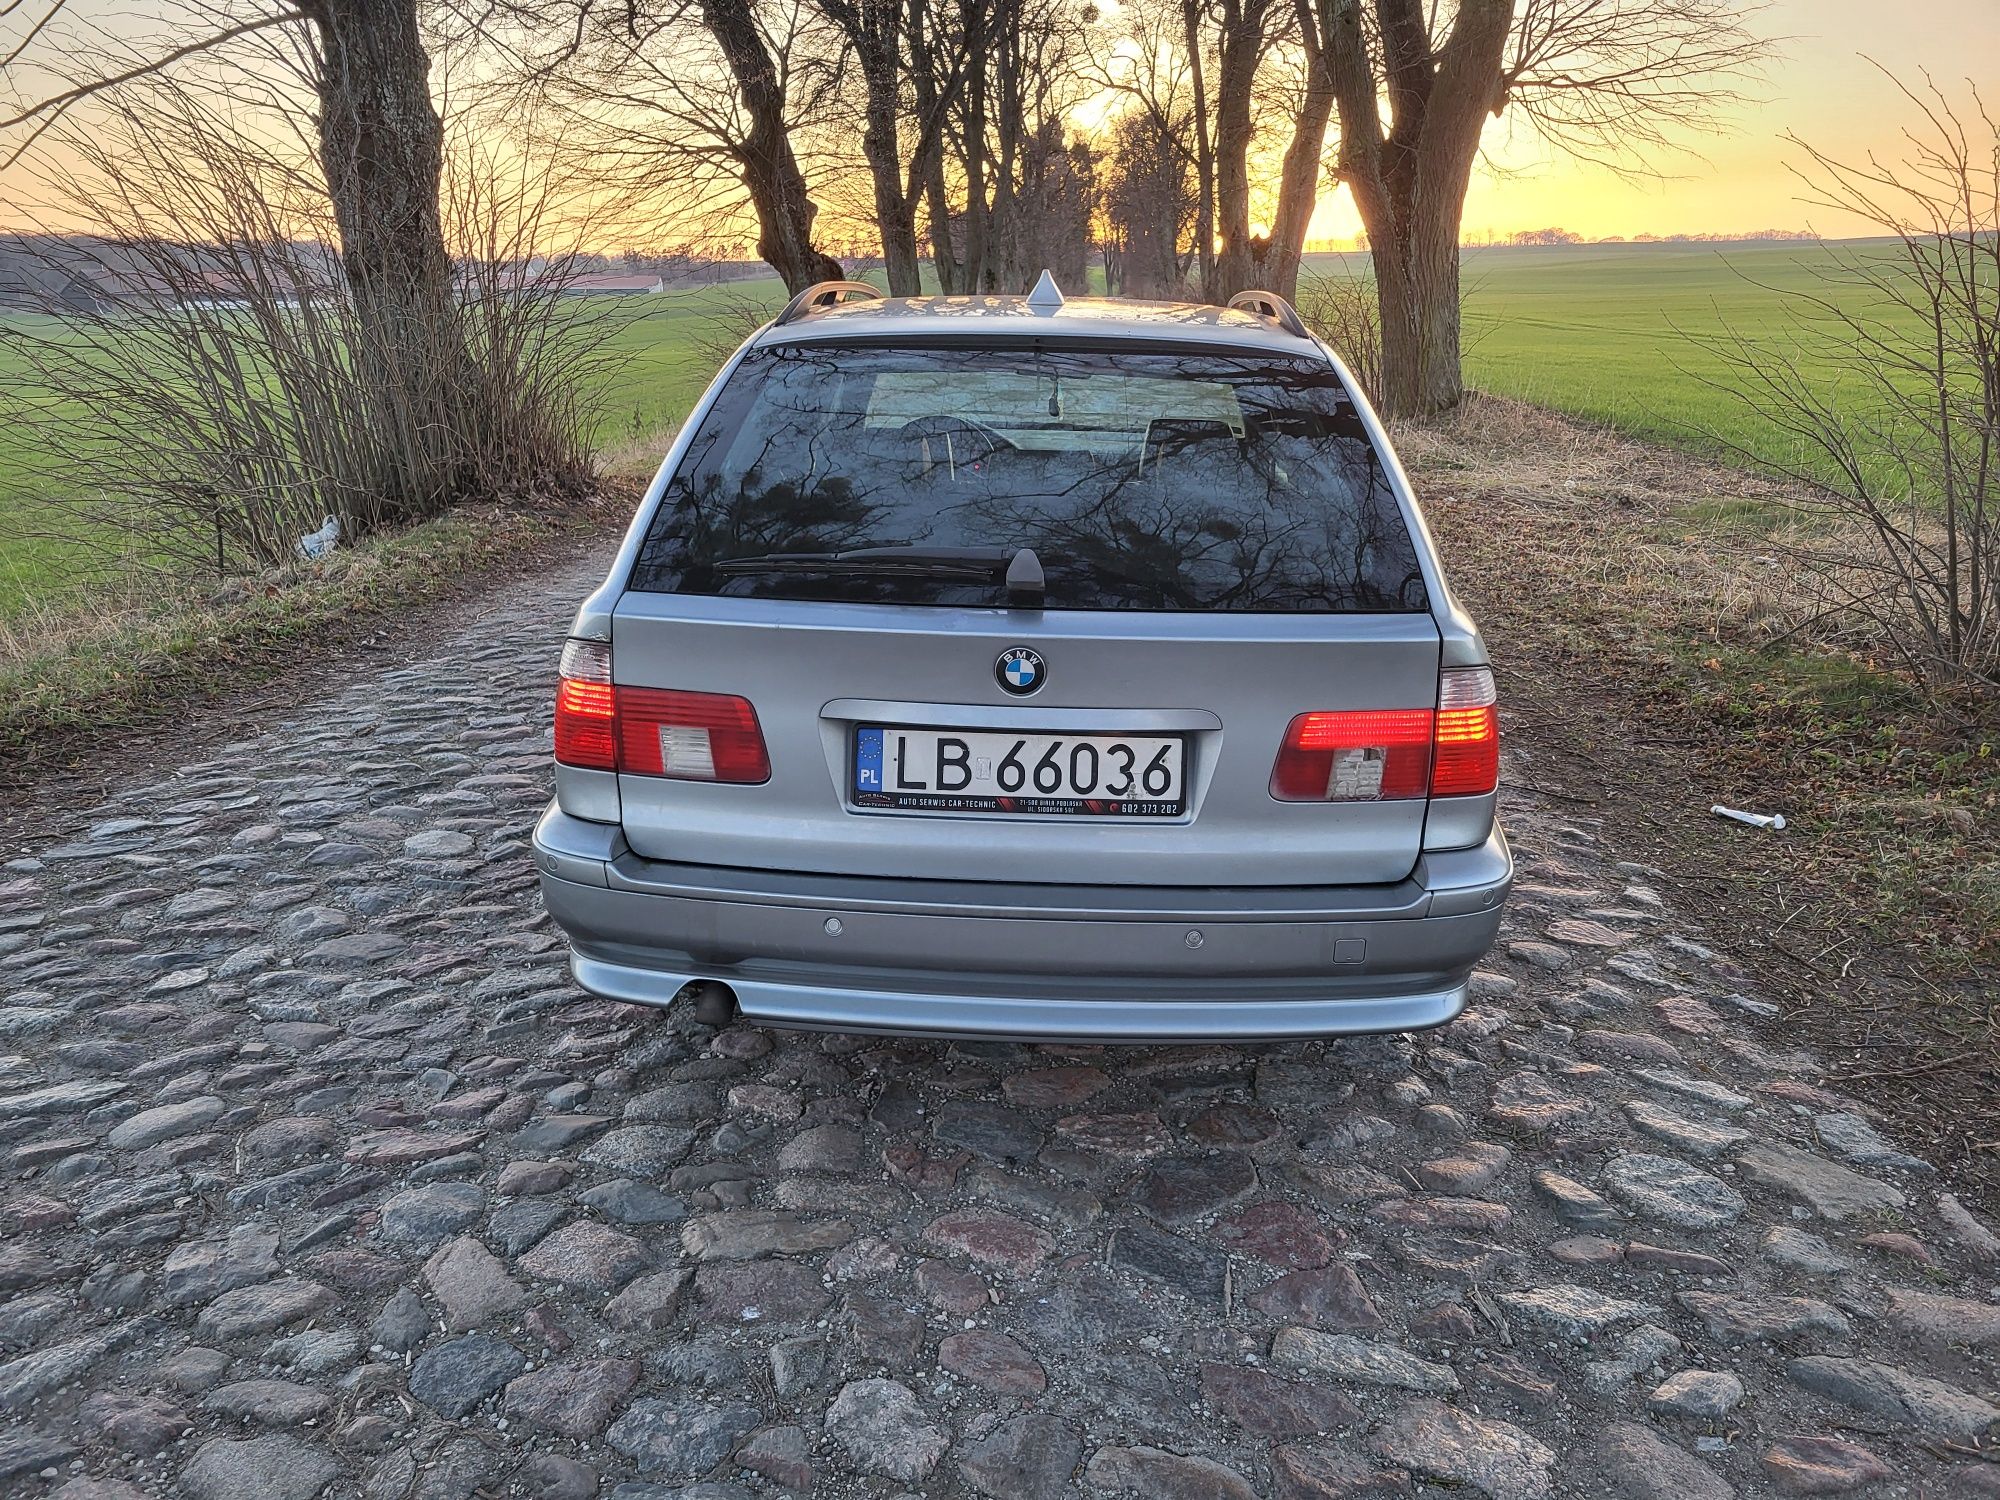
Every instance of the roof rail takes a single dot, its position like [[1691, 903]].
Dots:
[[1271, 305], [821, 295]]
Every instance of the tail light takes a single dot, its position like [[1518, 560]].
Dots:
[[1466, 762], [1384, 755], [1370, 755], [586, 708], [652, 731], [689, 736]]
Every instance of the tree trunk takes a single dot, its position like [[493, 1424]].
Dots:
[[876, 34], [1409, 182], [978, 233], [770, 170], [936, 191], [937, 208], [1005, 272], [382, 147], [1298, 180], [1235, 266], [1204, 147], [1417, 288]]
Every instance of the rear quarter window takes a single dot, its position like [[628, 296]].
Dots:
[[1149, 479]]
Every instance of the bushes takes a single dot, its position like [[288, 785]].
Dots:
[[221, 389], [1897, 430], [1344, 311]]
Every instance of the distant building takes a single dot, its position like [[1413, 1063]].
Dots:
[[46, 288], [271, 286], [612, 284]]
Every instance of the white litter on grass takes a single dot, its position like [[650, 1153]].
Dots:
[[1773, 821], [315, 545]]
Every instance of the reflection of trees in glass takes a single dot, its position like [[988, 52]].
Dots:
[[1207, 520], [1258, 491]]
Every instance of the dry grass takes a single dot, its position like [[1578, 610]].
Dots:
[[1660, 651], [635, 459], [138, 656], [1623, 525]]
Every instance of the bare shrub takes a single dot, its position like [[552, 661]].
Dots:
[[1344, 310], [208, 387], [1890, 391]]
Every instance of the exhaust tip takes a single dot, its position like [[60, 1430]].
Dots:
[[714, 1003]]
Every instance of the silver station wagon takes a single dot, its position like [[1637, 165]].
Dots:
[[1021, 667]]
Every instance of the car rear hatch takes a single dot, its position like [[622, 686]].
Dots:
[[1225, 687], [1030, 614]]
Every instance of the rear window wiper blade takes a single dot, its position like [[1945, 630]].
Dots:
[[1018, 566]]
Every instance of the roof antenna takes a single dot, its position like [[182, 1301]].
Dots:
[[1047, 296]]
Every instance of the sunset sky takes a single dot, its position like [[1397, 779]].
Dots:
[[1819, 87]]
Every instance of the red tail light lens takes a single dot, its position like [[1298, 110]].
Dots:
[[586, 708], [652, 731], [1467, 760], [690, 736], [1369, 755], [1387, 755]]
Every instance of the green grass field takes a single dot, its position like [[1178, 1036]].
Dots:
[[36, 560], [1616, 332], [1608, 332]]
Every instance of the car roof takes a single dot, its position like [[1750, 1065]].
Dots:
[[1100, 318]]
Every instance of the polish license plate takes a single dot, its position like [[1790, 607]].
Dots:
[[981, 771]]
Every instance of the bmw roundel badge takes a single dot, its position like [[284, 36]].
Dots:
[[1021, 670]]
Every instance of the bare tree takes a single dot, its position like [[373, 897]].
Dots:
[[1146, 59], [1299, 175], [901, 48], [218, 393], [1344, 307], [1009, 157], [1244, 31], [1053, 205], [380, 147], [1197, 63], [694, 113], [1898, 460], [770, 168], [1149, 207], [1606, 79]]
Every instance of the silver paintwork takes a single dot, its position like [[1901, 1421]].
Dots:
[[1110, 670], [992, 959], [818, 914]]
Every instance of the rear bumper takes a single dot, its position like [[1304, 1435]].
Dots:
[[960, 958]]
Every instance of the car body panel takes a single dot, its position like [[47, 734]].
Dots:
[[1107, 671], [975, 958], [1312, 918]]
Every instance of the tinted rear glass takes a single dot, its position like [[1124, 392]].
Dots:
[[1142, 479]]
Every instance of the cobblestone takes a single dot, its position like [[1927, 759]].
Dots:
[[323, 1181]]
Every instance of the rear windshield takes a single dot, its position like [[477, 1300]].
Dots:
[[1141, 479]]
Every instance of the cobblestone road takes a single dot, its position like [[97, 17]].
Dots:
[[320, 1179]]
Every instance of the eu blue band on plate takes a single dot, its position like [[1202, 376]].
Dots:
[[868, 760]]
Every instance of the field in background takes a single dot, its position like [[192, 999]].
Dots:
[[1607, 332], [1616, 333], [1613, 333]]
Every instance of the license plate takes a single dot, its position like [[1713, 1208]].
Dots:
[[980, 771]]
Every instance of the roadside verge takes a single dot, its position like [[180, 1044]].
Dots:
[[106, 693], [1655, 658]]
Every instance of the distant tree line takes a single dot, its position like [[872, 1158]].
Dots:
[[951, 134]]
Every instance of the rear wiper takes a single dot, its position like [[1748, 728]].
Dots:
[[1020, 568]]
